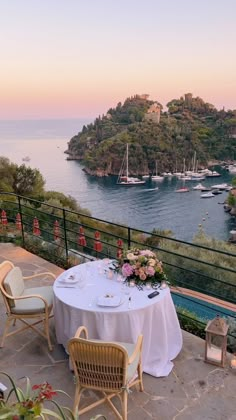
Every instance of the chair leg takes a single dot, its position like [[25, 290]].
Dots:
[[124, 400], [46, 325], [78, 391], [140, 376], [7, 324]]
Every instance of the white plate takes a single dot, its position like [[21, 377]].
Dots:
[[109, 300], [69, 279]]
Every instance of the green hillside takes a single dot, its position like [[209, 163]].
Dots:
[[189, 125]]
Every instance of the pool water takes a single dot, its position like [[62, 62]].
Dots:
[[204, 310]]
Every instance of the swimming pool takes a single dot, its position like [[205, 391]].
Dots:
[[204, 310]]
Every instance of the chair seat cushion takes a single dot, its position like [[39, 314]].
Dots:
[[34, 305], [132, 368]]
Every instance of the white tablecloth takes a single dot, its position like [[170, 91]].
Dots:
[[155, 318]]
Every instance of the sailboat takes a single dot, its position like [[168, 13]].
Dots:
[[157, 177], [123, 177], [183, 189]]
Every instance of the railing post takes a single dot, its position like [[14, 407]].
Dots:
[[22, 224], [129, 237], [65, 236]]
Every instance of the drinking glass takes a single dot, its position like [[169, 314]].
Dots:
[[127, 289]]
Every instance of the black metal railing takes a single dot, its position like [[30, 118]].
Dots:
[[194, 266]]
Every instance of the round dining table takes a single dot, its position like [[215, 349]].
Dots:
[[91, 295]]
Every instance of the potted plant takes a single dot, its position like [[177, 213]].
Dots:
[[29, 404]]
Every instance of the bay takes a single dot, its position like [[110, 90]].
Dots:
[[148, 206]]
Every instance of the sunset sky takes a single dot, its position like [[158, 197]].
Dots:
[[77, 58]]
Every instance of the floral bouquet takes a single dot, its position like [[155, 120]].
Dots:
[[142, 266]]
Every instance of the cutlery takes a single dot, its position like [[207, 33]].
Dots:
[[129, 303], [67, 287]]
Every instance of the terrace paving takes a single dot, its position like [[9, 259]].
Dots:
[[194, 390]]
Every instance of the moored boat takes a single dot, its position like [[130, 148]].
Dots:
[[216, 192], [124, 178], [219, 186], [199, 187], [157, 177], [207, 195], [212, 174], [182, 190]]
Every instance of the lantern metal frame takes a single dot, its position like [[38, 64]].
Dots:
[[216, 328]]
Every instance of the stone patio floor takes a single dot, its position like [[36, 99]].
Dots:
[[194, 390]]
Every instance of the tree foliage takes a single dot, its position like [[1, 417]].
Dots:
[[27, 181], [190, 125]]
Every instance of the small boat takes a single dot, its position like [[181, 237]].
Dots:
[[212, 174], [186, 178], [199, 187], [204, 189], [207, 195], [145, 176], [219, 187], [198, 177], [123, 177], [169, 174], [216, 192], [178, 174], [182, 189]]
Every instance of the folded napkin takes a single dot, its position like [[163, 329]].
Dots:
[[109, 300], [69, 279]]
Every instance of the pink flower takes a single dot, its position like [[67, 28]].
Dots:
[[127, 270], [146, 253], [142, 275], [150, 271]]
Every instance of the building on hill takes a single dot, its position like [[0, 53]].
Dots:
[[153, 113], [144, 96], [188, 97]]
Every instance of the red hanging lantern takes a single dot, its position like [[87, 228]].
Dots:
[[119, 249], [56, 230], [18, 221], [36, 230], [81, 240], [97, 243], [4, 218]]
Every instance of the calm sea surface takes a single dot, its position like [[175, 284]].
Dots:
[[144, 207]]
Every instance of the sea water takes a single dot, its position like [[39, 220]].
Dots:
[[152, 205]]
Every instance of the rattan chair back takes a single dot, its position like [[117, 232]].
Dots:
[[105, 367], [99, 365]]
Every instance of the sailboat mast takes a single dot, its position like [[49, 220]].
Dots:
[[194, 162], [127, 161]]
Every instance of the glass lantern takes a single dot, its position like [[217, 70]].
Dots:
[[216, 341], [233, 362]]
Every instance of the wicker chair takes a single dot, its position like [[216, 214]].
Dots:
[[25, 303], [109, 367]]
